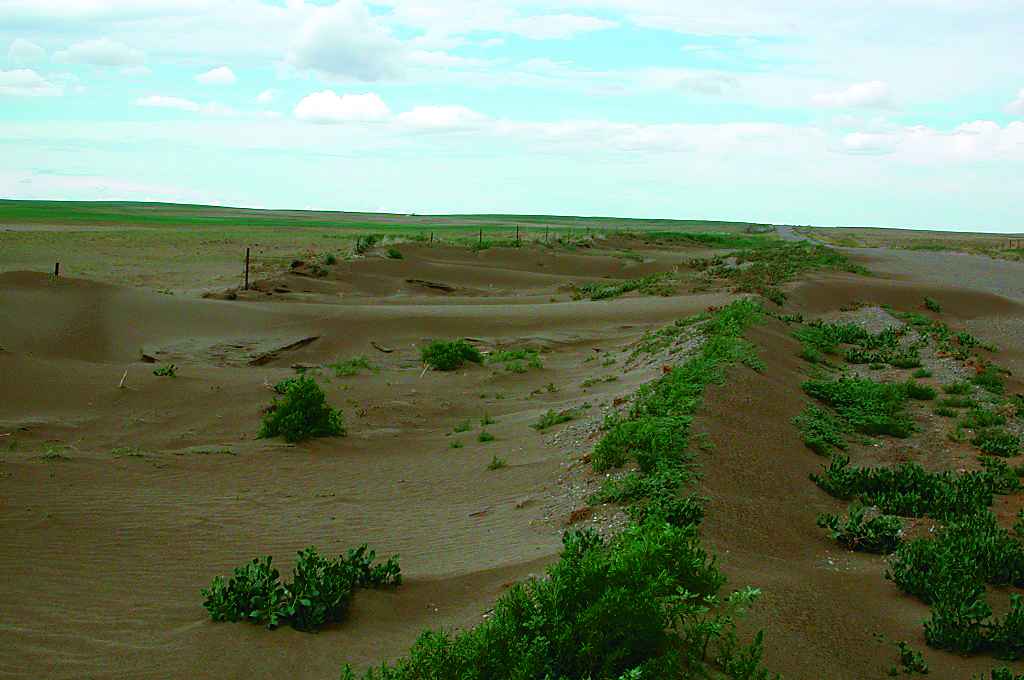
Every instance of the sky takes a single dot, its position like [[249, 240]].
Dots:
[[903, 113]]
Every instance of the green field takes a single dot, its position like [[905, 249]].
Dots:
[[196, 247]]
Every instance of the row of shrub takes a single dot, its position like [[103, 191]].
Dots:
[[647, 603]]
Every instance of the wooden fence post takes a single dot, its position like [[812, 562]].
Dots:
[[56, 270], [246, 269]]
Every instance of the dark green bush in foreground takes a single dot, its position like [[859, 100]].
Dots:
[[319, 593], [302, 414], [646, 604], [870, 407], [448, 356]]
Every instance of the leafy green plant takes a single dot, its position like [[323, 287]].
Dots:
[[979, 418], [990, 379], [958, 387], [497, 463], [364, 243], [911, 660], [448, 356], [919, 392], [879, 534], [455, 444], [921, 373], [464, 426], [997, 441], [945, 412], [869, 407], [485, 437], [1001, 673], [319, 593], [395, 254], [302, 414], [932, 305], [168, 371], [486, 420], [958, 401], [654, 284], [644, 605]]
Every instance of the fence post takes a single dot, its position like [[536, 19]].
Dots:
[[481, 244], [56, 270], [517, 234], [246, 269], [431, 238]]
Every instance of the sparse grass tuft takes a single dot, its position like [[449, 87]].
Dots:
[[932, 305], [497, 463], [168, 371], [552, 418], [349, 367], [395, 254], [485, 437]]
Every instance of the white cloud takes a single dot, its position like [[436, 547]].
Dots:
[[329, 107], [870, 94], [24, 52], [1016, 107], [557, 26], [441, 117], [181, 104], [265, 97], [27, 83], [102, 52], [869, 142], [138, 71], [222, 75], [346, 41]]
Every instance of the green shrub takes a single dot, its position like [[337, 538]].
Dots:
[[302, 414], [644, 605], [464, 426], [990, 379], [911, 660], [997, 441], [485, 437], [496, 463], [880, 534], [932, 305], [869, 407], [364, 243], [646, 440], [905, 359], [168, 371], [654, 284], [349, 367], [979, 418], [319, 593], [921, 373], [822, 432], [918, 391], [448, 356], [516, 360], [958, 401], [395, 254], [907, 489], [945, 412], [552, 418], [330, 259], [958, 387], [1001, 673]]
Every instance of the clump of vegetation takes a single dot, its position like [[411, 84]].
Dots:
[[869, 407], [351, 366], [911, 660], [497, 463], [485, 437], [997, 441], [330, 259], [654, 284], [645, 604], [764, 269], [959, 387], [516, 360], [464, 426], [395, 254], [302, 414], [908, 490], [958, 401], [448, 356], [989, 378], [950, 571], [922, 373], [980, 418], [552, 418], [918, 391], [945, 412], [1001, 673], [932, 305], [455, 444], [655, 431], [486, 420], [590, 382], [879, 534], [364, 243], [319, 593], [168, 371]]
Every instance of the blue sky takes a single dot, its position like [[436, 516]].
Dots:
[[838, 112]]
